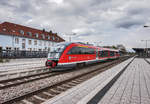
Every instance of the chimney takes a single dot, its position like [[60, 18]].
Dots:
[[50, 31], [43, 30]]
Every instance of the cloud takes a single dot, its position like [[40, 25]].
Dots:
[[109, 21], [129, 22]]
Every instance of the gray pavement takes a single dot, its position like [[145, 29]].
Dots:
[[133, 87]]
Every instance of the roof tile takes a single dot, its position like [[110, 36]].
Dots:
[[8, 28]]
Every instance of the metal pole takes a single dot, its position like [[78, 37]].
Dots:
[[146, 49], [70, 38]]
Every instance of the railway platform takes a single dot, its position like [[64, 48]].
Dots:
[[126, 83]]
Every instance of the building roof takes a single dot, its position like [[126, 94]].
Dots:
[[140, 49], [8, 28]]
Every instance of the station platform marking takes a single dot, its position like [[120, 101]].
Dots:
[[83, 90]]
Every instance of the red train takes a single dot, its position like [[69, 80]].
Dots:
[[69, 55]]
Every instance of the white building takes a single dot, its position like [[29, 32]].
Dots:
[[18, 37]]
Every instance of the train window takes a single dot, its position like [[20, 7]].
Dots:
[[103, 53], [73, 50], [112, 53], [81, 50]]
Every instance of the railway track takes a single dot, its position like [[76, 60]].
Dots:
[[25, 79], [42, 94], [8, 75], [147, 61]]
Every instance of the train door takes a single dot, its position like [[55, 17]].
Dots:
[[96, 53]]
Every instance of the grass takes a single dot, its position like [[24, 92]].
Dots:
[[3, 60]]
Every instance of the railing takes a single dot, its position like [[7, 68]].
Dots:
[[22, 54]]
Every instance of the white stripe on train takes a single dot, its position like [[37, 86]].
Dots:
[[85, 61]]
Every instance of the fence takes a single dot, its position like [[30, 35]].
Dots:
[[22, 54]]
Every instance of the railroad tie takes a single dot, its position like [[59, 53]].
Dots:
[[55, 91], [39, 98], [26, 101], [75, 81], [62, 88], [2, 85], [49, 94], [10, 82], [65, 85]]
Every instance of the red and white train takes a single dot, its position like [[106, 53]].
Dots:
[[69, 55]]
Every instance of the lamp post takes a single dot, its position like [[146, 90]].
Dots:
[[70, 36], [146, 49]]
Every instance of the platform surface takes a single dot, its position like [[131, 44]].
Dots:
[[83, 90], [133, 86]]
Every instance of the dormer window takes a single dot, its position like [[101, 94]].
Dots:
[[48, 37], [36, 35], [13, 30], [43, 36], [53, 38], [4, 29], [29, 33], [57, 38], [21, 32]]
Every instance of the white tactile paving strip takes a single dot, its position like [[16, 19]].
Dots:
[[133, 87], [85, 91], [148, 59]]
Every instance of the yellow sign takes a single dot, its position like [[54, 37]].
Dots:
[[84, 46]]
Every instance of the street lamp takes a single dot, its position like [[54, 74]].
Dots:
[[146, 49], [146, 26], [71, 35]]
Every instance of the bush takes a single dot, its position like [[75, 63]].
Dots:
[[1, 60], [4, 60]]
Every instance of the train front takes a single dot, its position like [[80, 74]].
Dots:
[[54, 55]]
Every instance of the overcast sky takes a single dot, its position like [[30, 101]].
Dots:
[[110, 22]]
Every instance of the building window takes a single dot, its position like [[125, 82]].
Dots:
[[35, 42], [16, 40], [30, 49], [16, 49], [4, 29], [29, 33], [23, 40], [43, 36], [30, 42], [21, 32], [40, 44], [13, 31], [48, 49], [44, 43], [8, 48], [48, 37], [53, 38], [49, 44], [23, 45], [58, 39], [36, 35]]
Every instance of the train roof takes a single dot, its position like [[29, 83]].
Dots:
[[110, 49], [83, 44]]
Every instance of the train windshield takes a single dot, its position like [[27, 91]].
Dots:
[[56, 51]]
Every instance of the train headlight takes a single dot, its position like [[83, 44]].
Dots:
[[57, 55]]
